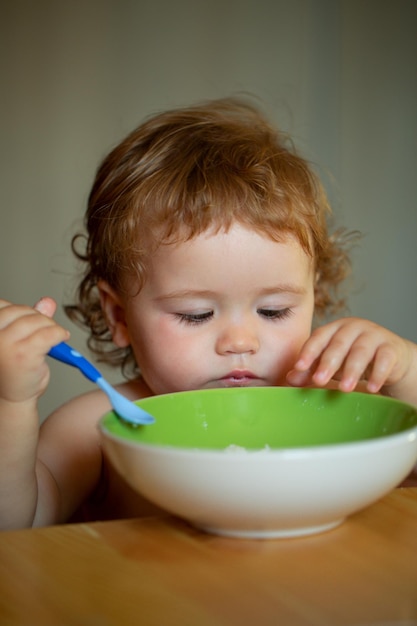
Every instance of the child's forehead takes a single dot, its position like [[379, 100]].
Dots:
[[236, 261], [235, 245], [234, 234]]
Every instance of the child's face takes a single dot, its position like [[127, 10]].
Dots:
[[222, 310]]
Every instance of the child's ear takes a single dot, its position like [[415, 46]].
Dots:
[[114, 313]]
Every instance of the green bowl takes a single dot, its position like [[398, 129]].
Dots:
[[271, 416], [265, 461]]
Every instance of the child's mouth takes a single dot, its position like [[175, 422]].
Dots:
[[239, 378]]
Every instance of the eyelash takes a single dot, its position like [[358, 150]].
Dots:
[[275, 314], [194, 319]]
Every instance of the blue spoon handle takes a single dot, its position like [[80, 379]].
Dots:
[[127, 410], [65, 353]]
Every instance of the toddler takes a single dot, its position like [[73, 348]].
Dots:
[[207, 263]]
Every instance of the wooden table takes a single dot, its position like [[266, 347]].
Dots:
[[160, 571]]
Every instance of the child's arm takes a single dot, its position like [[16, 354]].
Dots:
[[33, 468], [25, 337], [352, 350]]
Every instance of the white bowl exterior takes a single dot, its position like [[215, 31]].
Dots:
[[266, 493]]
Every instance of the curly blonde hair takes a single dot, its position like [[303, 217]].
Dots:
[[183, 172]]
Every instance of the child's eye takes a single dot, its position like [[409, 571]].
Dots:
[[275, 314], [194, 318]]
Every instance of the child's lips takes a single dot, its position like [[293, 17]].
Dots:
[[239, 378]]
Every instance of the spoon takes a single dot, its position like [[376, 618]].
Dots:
[[125, 409]]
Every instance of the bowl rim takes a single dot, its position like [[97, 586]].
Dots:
[[407, 435], [375, 397]]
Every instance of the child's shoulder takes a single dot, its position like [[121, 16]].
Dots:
[[72, 427], [135, 389]]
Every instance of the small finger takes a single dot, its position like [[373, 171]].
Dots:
[[344, 358], [296, 378], [311, 350], [382, 367], [11, 313], [354, 366], [46, 306]]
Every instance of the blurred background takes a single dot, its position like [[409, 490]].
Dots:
[[76, 77]]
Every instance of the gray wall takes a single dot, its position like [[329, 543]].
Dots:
[[340, 75]]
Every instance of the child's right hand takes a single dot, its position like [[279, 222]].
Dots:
[[26, 336]]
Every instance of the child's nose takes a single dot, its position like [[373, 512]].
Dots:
[[238, 339]]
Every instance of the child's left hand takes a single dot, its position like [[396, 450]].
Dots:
[[353, 351]]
